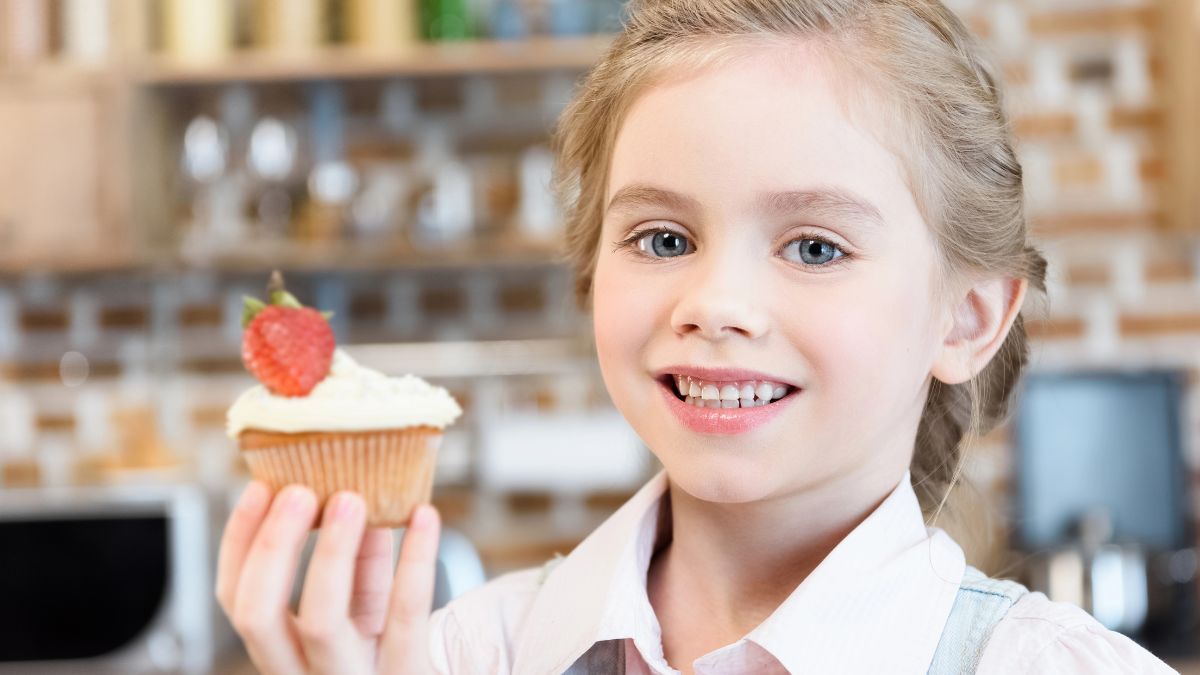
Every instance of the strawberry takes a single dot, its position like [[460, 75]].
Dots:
[[286, 346]]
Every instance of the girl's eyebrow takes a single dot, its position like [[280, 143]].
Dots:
[[832, 202]]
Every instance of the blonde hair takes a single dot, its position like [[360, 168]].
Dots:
[[948, 128]]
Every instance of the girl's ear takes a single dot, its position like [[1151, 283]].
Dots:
[[977, 327]]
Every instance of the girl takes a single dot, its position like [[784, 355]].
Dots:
[[799, 225]]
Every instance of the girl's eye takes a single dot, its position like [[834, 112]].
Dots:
[[813, 251], [663, 244]]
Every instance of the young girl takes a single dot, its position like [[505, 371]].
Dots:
[[799, 225]]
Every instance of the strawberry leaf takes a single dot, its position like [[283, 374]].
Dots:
[[250, 309], [285, 299]]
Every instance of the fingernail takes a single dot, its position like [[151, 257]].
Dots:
[[346, 506], [298, 499], [423, 517]]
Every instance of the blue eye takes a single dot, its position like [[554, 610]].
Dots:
[[664, 244], [812, 251]]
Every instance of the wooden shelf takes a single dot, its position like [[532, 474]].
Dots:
[[422, 60], [255, 256], [117, 155], [330, 63], [56, 75]]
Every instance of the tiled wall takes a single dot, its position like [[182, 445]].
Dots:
[[1085, 95]]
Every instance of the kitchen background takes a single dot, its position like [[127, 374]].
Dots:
[[159, 158]]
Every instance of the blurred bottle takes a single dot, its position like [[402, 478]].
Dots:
[[332, 182], [508, 21], [237, 104], [290, 26], [130, 38], [26, 25], [540, 217], [496, 194], [272, 159], [215, 214], [398, 109], [86, 28], [445, 20], [382, 25], [376, 210], [570, 17], [445, 212], [610, 15], [197, 30]]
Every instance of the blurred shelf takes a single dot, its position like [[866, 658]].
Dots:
[[57, 74], [421, 60], [71, 263], [366, 255], [427, 59], [474, 359], [287, 255]]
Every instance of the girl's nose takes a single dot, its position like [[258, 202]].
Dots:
[[723, 298]]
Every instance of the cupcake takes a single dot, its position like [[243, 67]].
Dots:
[[319, 419]]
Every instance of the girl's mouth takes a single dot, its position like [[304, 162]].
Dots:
[[725, 395], [719, 408]]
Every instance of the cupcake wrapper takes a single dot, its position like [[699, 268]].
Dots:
[[392, 471]]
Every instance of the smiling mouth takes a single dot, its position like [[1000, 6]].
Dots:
[[740, 394]]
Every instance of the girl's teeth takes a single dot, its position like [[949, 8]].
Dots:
[[732, 395], [721, 403]]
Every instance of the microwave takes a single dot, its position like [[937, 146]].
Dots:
[[105, 579]]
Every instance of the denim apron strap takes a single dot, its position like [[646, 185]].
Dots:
[[606, 657], [979, 606]]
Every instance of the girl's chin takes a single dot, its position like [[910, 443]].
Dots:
[[721, 483]]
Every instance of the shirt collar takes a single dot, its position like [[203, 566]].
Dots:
[[891, 580]]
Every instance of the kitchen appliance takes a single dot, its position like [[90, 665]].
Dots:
[[105, 579], [1103, 501]]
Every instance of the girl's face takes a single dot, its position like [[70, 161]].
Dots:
[[753, 233]]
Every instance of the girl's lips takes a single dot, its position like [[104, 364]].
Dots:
[[722, 421]]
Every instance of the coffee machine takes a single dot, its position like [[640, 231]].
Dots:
[[1103, 508]]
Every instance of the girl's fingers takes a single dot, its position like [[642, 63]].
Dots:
[[239, 533], [372, 582], [330, 641], [404, 647], [260, 613]]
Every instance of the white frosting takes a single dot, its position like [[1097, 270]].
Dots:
[[350, 398]]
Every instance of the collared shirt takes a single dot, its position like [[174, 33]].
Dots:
[[877, 603]]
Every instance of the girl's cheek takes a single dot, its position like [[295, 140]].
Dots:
[[608, 298]]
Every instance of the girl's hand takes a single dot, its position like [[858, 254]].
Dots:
[[353, 618]]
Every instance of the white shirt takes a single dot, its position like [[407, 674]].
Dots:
[[877, 603]]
